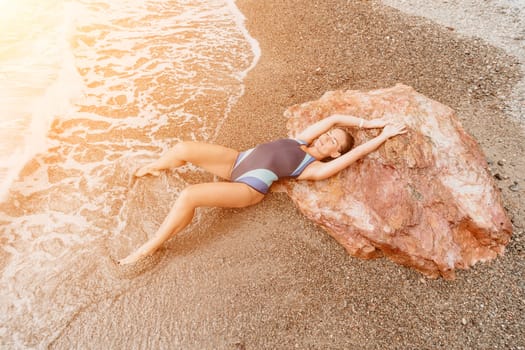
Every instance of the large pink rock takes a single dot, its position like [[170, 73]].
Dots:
[[424, 199]]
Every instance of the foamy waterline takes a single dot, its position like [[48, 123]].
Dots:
[[240, 20]]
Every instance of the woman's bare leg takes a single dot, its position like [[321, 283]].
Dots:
[[216, 159], [213, 194]]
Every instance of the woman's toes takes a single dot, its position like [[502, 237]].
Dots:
[[145, 170]]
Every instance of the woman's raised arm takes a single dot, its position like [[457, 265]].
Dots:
[[313, 131]]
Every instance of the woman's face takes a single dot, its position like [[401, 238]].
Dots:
[[330, 143]]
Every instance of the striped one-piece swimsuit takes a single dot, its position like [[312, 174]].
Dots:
[[260, 166]]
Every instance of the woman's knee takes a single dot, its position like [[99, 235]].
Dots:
[[187, 197], [181, 152], [181, 148]]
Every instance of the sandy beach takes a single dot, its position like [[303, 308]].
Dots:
[[265, 277]]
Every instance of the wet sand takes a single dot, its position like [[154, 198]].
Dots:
[[264, 277]]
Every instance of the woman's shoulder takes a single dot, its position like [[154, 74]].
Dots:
[[289, 140], [299, 141]]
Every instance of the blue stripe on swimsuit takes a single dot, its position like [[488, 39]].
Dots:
[[259, 167]]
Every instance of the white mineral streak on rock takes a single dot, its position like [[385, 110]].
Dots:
[[424, 199]]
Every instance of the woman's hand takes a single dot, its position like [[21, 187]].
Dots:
[[393, 129]]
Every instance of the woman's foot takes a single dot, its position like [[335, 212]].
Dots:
[[147, 169], [132, 258]]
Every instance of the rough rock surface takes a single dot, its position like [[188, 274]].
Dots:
[[424, 199]]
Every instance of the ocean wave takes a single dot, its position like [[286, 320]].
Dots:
[[135, 78]]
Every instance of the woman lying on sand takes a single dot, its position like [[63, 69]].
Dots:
[[251, 173]]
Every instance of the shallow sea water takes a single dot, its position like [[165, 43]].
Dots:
[[89, 91]]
